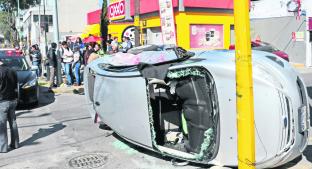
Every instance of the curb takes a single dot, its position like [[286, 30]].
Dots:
[[63, 88], [72, 90]]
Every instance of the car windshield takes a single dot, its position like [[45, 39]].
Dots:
[[17, 63], [264, 46]]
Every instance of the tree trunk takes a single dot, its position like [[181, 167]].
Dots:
[[104, 25]]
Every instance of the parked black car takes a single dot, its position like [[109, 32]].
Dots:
[[28, 88]]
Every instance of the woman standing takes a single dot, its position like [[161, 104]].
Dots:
[[76, 65], [68, 57]]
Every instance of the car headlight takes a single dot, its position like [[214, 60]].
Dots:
[[30, 83]]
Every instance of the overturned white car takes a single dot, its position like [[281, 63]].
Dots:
[[184, 106]]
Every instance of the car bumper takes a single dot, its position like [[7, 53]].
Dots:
[[28, 95]]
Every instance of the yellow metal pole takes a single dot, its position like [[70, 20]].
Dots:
[[244, 87]]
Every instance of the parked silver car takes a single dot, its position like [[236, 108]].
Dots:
[[185, 107]]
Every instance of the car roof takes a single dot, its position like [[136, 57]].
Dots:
[[10, 53]]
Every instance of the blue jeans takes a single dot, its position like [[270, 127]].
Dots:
[[68, 73], [38, 71], [77, 73], [7, 113]]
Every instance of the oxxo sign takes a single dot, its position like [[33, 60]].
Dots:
[[117, 9]]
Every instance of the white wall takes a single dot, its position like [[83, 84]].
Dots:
[[269, 8], [73, 14]]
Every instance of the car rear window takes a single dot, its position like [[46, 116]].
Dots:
[[17, 63]]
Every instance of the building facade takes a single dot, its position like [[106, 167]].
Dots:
[[71, 18], [197, 24], [281, 23]]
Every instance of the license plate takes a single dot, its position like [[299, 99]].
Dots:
[[303, 126]]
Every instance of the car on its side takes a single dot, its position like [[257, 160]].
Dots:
[[28, 87], [184, 106], [266, 47]]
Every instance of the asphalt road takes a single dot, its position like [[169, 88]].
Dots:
[[58, 134]]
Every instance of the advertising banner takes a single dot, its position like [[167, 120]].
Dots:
[[117, 9], [207, 36], [310, 23], [167, 22]]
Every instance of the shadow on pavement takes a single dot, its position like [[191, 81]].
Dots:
[[41, 133], [308, 153], [63, 121], [45, 98], [159, 156], [41, 115], [290, 164]]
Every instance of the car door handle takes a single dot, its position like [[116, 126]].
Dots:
[[97, 103]]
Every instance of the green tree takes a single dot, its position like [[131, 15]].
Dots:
[[104, 25], [8, 11]]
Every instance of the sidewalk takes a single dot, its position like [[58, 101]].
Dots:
[[63, 88]]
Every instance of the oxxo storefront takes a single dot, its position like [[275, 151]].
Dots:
[[197, 24]]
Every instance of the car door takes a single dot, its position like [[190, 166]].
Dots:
[[121, 102]]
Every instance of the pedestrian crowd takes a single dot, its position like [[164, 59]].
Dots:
[[73, 56]]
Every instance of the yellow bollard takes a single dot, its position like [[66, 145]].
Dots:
[[244, 87]]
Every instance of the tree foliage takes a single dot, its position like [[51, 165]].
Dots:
[[5, 28], [11, 5], [8, 11]]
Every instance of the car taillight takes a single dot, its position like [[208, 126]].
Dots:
[[9, 53]]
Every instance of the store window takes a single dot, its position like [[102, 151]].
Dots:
[[206, 36]]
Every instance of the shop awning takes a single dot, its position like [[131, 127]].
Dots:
[[94, 29]]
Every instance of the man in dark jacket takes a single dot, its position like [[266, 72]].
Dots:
[[52, 62], [8, 101], [35, 57]]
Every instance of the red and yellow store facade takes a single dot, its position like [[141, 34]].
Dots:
[[198, 24]]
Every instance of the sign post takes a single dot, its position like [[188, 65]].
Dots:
[[167, 22], [244, 87]]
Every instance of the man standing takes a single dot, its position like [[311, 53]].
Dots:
[[8, 101], [52, 62]]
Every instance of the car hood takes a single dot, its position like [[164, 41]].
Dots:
[[25, 76]]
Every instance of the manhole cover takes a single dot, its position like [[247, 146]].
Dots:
[[92, 160]]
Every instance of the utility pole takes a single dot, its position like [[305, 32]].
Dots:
[[39, 17], [45, 25], [18, 18], [244, 87], [137, 22], [56, 40]]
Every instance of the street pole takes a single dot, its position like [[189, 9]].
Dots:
[[244, 87], [18, 18], [137, 22], [39, 17], [45, 21], [56, 40]]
